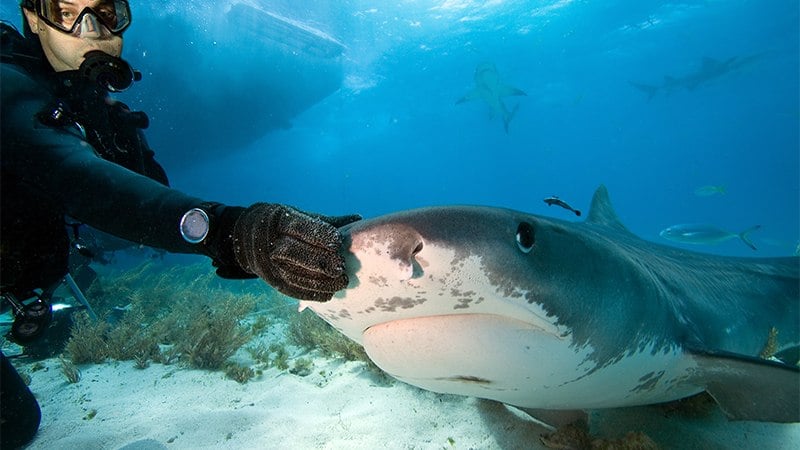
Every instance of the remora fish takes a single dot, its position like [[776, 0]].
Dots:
[[558, 202], [543, 313], [489, 89], [708, 191], [702, 234]]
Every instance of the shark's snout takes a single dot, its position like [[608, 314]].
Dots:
[[390, 250], [408, 245]]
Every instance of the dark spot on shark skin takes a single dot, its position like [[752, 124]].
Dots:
[[648, 382], [456, 293], [331, 317], [467, 379], [587, 365], [463, 303], [647, 376], [344, 314], [459, 259], [379, 281], [393, 303]]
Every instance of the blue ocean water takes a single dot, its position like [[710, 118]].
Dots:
[[388, 134], [241, 112]]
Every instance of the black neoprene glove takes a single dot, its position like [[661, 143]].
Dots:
[[295, 252]]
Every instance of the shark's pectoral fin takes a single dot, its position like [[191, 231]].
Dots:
[[505, 90], [648, 89], [748, 388], [789, 354], [471, 95]]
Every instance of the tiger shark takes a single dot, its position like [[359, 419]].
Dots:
[[547, 314], [491, 90]]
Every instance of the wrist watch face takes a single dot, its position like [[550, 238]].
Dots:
[[194, 226]]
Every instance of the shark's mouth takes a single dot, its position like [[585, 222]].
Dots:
[[466, 353]]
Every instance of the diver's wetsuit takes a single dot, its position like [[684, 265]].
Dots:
[[107, 179], [94, 166], [49, 172]]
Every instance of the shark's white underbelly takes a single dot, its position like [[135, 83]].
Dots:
[[513, 362], [452, 331]]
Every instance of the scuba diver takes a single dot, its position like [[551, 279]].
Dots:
[[70, 150]]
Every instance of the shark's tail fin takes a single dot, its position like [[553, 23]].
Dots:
[[744, 236], [648, 89], [507, 117]]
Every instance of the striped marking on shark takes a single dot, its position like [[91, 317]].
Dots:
[[546, 314]]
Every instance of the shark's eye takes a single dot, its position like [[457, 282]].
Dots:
[[525, 237]]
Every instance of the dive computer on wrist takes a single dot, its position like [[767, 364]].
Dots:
[[195, 225]]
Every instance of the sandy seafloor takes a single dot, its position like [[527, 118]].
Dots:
[[339, 405]]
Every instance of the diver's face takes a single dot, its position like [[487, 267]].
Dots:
[[65, 51]]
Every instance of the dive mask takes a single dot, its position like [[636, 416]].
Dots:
[[112, 16]]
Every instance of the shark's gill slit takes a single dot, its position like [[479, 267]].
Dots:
[[525, 237]]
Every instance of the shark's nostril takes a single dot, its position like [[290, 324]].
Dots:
[[418, 271]]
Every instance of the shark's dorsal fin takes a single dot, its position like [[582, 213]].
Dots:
[[602, 213]]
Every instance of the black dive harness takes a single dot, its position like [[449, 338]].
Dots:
[[81, 105]]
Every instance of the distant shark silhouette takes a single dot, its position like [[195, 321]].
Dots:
[[710, 70], [489, 89]]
